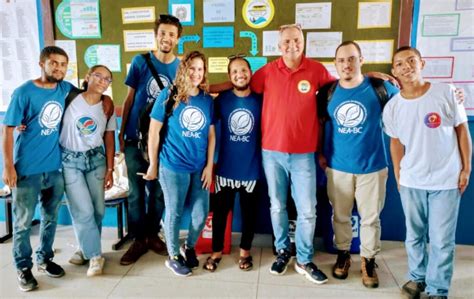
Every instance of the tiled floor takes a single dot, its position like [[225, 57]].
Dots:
[[149, 278]]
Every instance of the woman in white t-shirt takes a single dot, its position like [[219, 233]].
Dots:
[[87, 143]]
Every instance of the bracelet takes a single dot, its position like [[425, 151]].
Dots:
[[110, 169]]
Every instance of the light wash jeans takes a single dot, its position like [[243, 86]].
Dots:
[[177, 187], [299, 171], [145, 198], [48, 188], [432, 214], [84, 174]]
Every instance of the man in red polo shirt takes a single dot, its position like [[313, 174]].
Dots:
[[289, 141]]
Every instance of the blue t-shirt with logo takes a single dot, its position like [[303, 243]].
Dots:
[[353, 139], [240, 154], [40, 109], [146, 88], [185, 144]]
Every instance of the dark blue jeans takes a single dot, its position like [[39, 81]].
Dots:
[[145, 199]]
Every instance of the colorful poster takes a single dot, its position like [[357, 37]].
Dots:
[[70, 47], [218, 65], [219, 11], [258, 13], [108, 55], [218, 37], [313, 15], [440, 25], [183, 10], [256, 62], [438, 67], [139, 40], [79, 19], [133, 15]]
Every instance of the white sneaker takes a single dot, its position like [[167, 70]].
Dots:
[[78, 258], [96, 265]]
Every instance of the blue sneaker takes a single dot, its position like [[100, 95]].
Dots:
[[311, 273], [280, 264], [177, 265]]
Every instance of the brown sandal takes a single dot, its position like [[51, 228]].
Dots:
[[211, 264], [245, 263]]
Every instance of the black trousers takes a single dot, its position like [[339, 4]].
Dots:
[[223, 203]]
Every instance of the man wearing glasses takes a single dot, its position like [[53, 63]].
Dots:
[[289, 141], [146, 204]]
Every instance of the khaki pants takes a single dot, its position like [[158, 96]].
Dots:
[[369, 193]]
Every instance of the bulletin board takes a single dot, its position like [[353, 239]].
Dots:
[[197, 35]]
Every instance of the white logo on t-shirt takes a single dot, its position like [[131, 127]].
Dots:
[[153, 90], [50, 117], [192, 118], [350, 114], [241, 122]]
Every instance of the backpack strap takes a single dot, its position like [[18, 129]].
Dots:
[[380, 90], [324, 95], [73, 93], [147, 57], [170, 102]]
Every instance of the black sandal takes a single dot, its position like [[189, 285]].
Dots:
[[211, 264], [245, 263]]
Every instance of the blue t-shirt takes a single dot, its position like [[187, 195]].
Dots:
[[40, 109], [353, 140], [240, 149], [185, 144], [146, 88]]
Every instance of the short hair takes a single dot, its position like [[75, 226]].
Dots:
[[238, 58], [347, 43], [406, 48], [168, 19], [50, 50]]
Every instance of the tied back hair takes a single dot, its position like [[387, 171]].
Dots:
[[85, 84]]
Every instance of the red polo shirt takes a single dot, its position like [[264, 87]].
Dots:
[[289, 118]]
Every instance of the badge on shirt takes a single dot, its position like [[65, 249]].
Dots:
[[432, 120], [304, 86]]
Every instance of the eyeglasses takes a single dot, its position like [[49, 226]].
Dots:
[[102, 78], [235, 56], [169, 18], [288, 26]]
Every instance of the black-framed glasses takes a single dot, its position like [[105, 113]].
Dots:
[[235, 56], [169, 18]]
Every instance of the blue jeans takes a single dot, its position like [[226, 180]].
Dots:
[[432, 214], [48, 188], [299, 171], [177, 187], [84, 174], [145, 199]]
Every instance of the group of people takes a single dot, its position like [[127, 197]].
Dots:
[[272, 124]]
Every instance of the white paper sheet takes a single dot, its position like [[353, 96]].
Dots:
[[322, 44], [313, 15], [374, 15]]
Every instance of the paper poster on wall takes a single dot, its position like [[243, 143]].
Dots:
[[374, 14], [256, 62], [183, 10], [218, 64], [131, 15], [376, 51], [468, 88], [108, 55], [139, 40], [218, 37], [440, 25], [313, 15], [258, 13], [19, 47], [331, 69], [322, 44], [78, 18], [464, 5], [462, 44], [70, 47], [270, 43], [219, 11], [438, 67]]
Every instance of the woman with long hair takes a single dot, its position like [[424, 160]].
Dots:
[[87, 143], [186, 157]]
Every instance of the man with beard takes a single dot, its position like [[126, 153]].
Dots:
[[34, 173], [356, 166], [145, 199], [238, 168]]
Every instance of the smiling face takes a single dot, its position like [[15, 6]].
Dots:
[[196, 71], [167, 38], [291, 43], [239, 74], [407, 66], [348, 62], [98, 80], [54, 67]]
